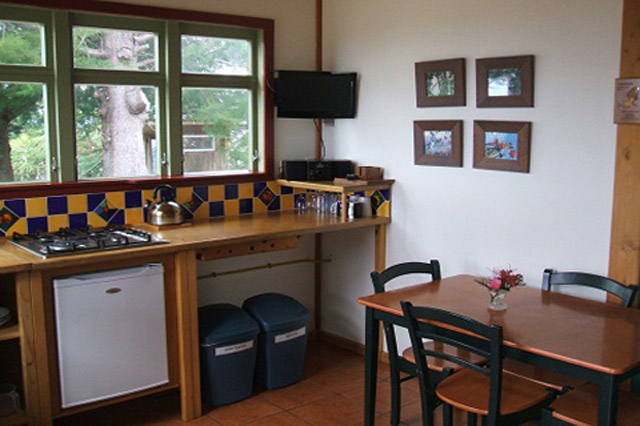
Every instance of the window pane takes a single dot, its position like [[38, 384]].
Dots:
[[99, 48], [215, 130], [21, 43], [115, 131], [210, 55], [23, 136]]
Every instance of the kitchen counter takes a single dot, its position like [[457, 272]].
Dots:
[[202, 234], [203, 240]]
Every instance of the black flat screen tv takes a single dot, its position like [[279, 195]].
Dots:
[[314, 94]]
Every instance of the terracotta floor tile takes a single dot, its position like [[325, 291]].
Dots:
[[242, 412], [340, 378], [383, 396], [281, 419], [296, 395], [331, 411]]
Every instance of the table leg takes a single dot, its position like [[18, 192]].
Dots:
[[372, 339], [608, 402]]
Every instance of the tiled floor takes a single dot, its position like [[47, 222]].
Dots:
[[330, 394]]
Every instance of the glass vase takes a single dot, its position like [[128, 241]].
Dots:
[[497, 302]]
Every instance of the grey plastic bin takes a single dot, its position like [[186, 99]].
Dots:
[[228, 347], [282, 343]]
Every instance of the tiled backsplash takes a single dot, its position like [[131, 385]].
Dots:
[[120, 207]]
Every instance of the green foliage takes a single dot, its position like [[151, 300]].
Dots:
[[20, 43], [209, 55], [28, 155]]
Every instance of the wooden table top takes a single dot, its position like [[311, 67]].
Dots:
[[202, 234], [596, 335]]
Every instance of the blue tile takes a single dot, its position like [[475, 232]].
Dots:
[[117, 218], [1, 233], [298, 201], [246, 205], [216, 208], [19, 207], [275, 204], [187, 214], [57, 205], [385, 194], [35, 224], [286, 190], [94, 200], [231, 191], [78, 220], [258, 187], [145, 214], [132, 199], [202, 192]]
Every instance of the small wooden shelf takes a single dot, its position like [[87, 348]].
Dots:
[[331, 187], [9, 332], [342, 189]]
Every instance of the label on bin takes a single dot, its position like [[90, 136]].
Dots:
[[291, 335], [232, 349]]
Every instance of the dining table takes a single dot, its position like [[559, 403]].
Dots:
[[591, 340]]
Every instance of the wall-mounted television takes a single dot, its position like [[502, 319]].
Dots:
[[315, 94]]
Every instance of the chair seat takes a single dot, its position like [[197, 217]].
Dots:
[[547, 378], [580, 407], [439, 364], [469, 391]]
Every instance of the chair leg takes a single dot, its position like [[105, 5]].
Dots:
[[472, 419], [447, 415], [395, 395]]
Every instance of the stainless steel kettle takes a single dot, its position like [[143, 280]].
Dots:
[[167, 211]]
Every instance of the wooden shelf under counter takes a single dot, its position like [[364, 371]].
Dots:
[[9, 332]]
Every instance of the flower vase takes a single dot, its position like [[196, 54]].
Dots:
[[497, 302]]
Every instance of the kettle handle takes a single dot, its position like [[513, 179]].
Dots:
[[164, 186]]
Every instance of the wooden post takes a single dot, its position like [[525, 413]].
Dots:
[[624, 256], [42, 349], [28, 347], [318, 122], [317, 267], [188, 345]]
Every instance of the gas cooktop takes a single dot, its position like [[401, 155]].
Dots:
[[67, 241]]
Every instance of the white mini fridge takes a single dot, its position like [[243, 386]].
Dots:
[[111, 333]]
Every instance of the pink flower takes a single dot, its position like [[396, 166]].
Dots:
[[495, 283]]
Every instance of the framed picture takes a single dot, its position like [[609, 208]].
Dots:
[[437, 143], [504, 82], [502, 145], [440, 83]]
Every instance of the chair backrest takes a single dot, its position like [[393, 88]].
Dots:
[[380, 279], [482, 339], [627, 294]]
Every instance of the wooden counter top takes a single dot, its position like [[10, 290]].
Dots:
[[205, 233]]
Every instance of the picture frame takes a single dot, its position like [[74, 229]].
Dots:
[[502, 145], [437, 143], [504, 82], [440, 83]]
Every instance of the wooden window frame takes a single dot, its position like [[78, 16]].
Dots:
[[176, 22]]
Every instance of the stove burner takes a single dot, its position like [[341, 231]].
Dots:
[[82, 240]]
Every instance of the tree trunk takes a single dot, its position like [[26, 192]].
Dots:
[[6, 168], [125, 110], [221, 159]]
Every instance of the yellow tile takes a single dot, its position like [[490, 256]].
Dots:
[[116, 199], [77, 203], [258, 206], [369, 193], [273, 185], [299, 190], [245, 190], [202, 212], [147, 194], [95, 220], [231, 207], [58, 221], [383, 210], [1, 204], [36, 207], [216, 193], [20, 226], [184, 194], [286, 202], [133, 216]]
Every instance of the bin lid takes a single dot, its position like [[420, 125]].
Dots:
[[275, 311], [222, 322]]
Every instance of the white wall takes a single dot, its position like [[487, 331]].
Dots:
[[294, 49], [557, 216]]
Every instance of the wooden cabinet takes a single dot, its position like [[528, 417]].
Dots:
[[16, 345]]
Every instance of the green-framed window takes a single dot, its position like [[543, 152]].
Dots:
[[94, 97]]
